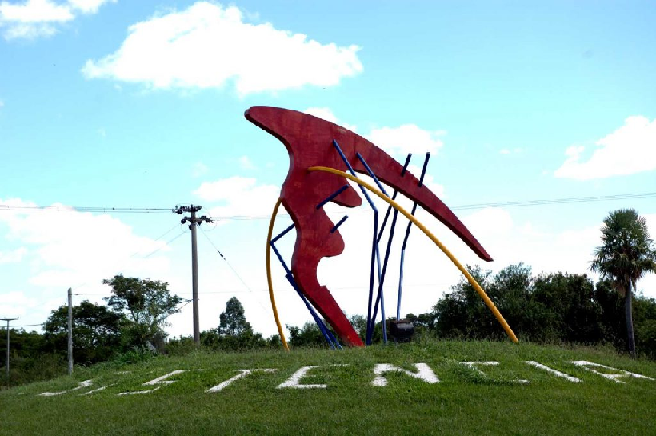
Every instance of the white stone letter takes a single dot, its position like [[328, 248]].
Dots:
[[158, 381], [622, 373], [423, 373], [294, 380], [474, 366], [242, 373], [83, 384], [554, 372]]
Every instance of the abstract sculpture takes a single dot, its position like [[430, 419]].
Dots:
[[318, 151]]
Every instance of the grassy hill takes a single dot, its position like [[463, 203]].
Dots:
[[464, 401]]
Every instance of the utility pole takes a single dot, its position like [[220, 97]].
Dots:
[[70, 331], [193, 222], [7, 366]]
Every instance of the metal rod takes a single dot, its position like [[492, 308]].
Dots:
[[327, 334], [332, 196]]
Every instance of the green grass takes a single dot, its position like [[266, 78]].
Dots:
[[464, 402]]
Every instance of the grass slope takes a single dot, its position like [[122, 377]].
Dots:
[[463, 402]]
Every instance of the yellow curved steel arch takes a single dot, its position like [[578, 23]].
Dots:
[[436, 241], [268, 272]]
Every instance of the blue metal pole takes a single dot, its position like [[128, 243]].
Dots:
[[405, 241], [330, 338], [375, 255]]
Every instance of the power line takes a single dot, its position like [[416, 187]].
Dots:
[[166, 244], [83, 284], [98, 209], [475, 206], [232, 269], [565, 200]]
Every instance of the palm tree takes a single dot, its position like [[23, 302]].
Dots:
[[626, 254]]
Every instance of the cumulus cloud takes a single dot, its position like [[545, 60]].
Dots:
[[66, 246], [41, 18], [15, 304], [628, 150], [239, 197], [208, 45], [327, 114], [407, 138], [88, 6], [12, 256]]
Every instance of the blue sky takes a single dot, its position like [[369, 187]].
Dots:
[[140, 104]]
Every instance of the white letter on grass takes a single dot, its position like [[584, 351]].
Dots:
[[473, 365], [158, 381], [294, 380], [614, 377], [423, 373], [553, 371], [83, 384], [242, 373]]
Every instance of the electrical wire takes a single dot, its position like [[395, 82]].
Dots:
[[475, 206], [566, 200], [231, 268], [102, 209], [166, 244], [83, 284]]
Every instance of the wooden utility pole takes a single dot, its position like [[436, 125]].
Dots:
[[193, 222], [70, 331], [8, 338]]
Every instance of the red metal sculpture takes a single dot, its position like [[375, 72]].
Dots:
[[309, 142]]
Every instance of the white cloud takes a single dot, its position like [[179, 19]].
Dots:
[[15, 304], [241, 197], [628, 150], [327, 114], [13, 256], [89, 6], [68, 247], [40, 18], [2, 103], [208, 45], [35, 11], [405, 139], [246, 163]]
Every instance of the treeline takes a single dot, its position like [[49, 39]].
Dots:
[[554, 308], [128, 329], [548, 308]]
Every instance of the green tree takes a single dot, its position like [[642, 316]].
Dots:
[[233, 322], [626, 254], [308, 335], [146, 303], [96, 332], [565, 309]]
